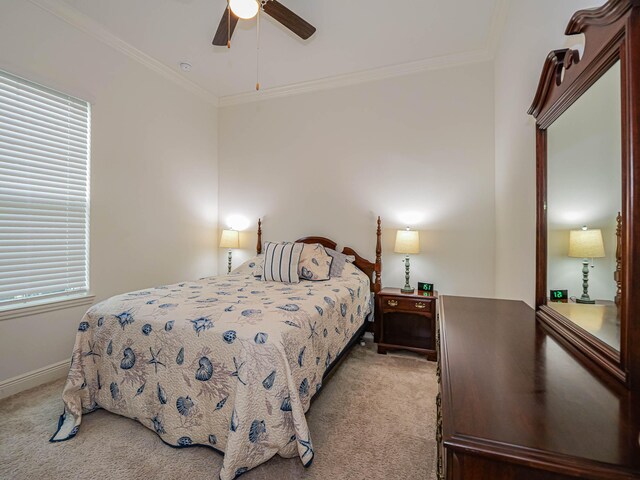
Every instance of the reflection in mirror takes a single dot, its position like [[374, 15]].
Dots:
[[584, 196]]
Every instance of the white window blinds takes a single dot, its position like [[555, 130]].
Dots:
[[44, 191]]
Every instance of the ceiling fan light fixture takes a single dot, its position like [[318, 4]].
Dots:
[[244, 9]]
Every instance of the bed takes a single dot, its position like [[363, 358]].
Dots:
[[230, 362]]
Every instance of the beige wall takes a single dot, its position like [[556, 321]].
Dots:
[[153, 173], [532, 30], [416, 149]]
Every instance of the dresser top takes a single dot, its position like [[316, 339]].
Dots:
[[510, 389]]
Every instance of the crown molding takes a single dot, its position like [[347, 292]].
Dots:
[[82, 22], [435, 63], [86, 24], [497, 25]]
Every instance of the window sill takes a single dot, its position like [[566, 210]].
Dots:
[[36, 307]]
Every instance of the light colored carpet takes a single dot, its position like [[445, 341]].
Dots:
[[375, 419]]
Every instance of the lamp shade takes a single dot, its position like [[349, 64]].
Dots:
[[407, 241], [229, 239], [586, 244]]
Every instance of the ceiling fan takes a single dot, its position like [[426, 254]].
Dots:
[[246, 9]]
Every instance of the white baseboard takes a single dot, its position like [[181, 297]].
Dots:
[[34, 378]]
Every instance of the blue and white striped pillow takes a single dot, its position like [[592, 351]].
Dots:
[[281, 262]]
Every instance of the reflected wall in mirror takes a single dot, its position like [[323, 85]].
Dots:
[[584, 197]]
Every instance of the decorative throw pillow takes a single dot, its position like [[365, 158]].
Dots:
[[253, 266], [258, 270], [315, 263], [281, 262], [339, 261]]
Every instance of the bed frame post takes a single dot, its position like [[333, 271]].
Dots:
[[378, 266], [259, 245]]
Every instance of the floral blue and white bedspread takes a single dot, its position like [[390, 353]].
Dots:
[[231, 362]]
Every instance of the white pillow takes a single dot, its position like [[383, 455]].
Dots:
[[281, 262]]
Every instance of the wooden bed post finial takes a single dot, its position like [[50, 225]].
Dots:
[[259, 245], [378, 267]]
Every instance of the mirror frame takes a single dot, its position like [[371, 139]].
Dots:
[[612, 33]]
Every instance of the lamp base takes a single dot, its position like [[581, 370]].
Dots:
[[407, 286], [585, 284], [589, 302]]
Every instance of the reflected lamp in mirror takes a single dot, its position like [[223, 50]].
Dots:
[[230, 239], [585, 244], [407, 242]]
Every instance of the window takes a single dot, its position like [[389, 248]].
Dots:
[[44, 192]]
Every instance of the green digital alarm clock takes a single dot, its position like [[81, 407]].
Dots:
[[426, 288], [559, 295]]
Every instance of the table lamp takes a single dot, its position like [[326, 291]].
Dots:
[[585, 244], [407, 242], [230, 239]]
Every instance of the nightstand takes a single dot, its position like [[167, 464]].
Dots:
[[406, 321]]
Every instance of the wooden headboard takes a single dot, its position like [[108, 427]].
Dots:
[[371, 269]]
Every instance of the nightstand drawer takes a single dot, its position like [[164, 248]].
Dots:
[[409, 304]]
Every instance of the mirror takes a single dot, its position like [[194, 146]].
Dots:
[[584, 198], [587, 162]]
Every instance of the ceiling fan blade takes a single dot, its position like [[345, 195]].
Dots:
[[221, 38], [286, 17]]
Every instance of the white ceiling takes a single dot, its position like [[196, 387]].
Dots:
[[352, 36]]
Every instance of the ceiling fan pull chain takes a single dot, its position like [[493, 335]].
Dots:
[[258, 51]]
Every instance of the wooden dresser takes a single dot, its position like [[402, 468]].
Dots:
[[514, 404]]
